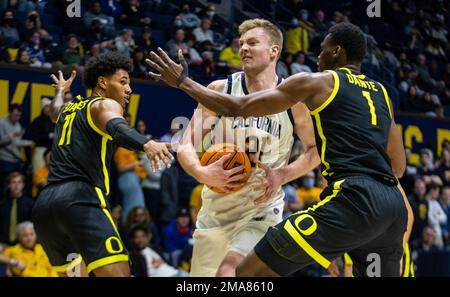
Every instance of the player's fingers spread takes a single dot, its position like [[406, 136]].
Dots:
[[154, 75], [164, 56], [73, 75], [157, 59], [54, 78], [153, 64], [235, 170], [60, 74], [164, 159], [224, 158], [237, 177], [153, 165]]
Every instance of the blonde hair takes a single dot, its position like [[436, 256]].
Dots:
[[276, 37]]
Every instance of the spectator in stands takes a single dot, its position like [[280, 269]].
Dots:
[[156, 265], [33, 24], [94, 51], [189, 20], [319, 24], [443, 166], [194, 57], [74, 52], [96, 35], [178, 42], [291, 202], [284, 65], [8, 30], [139, 66], [420, 208], [308, 194], [129, 181], [95, 13], [428, 241], [41, 133], [299, 64], [338, 17], [210, 13], [14, 208], [436, 215], [11, 143], [30, 253], [176, 234], [426, 168], [35, 51], [203, 32], [424, 79], [297, 38], [134, 15], [141, 127], [145, 41], [230, 56], [40, 175], [23, 58], [111, 8], [445, 204], [125, 43], [141, 216]]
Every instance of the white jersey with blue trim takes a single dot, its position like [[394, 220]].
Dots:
[[267, 139]]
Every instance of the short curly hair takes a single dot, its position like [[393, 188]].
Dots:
[[351, 38], [104, 65]]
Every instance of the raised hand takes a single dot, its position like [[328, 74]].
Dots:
[[60, 84], [157, 152], [169, 71]]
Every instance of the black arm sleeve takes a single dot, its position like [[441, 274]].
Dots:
[[125, 136]]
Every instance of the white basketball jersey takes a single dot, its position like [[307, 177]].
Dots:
[[267, 139]]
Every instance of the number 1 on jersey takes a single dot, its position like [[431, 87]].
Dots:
[[67, 129], [371, 107]]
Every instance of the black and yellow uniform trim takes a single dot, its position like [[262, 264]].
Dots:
[[408, 264], [315, 114], [105, 139], [358, 216], [296, 233], [69, 266]]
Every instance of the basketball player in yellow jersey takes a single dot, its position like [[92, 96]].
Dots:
[[230, 224], [362, 211]]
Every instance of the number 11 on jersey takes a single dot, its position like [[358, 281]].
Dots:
[[67, 129]]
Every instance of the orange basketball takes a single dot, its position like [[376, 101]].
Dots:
[[215, 152]]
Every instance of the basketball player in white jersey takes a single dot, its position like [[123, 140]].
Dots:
[[230, 224]]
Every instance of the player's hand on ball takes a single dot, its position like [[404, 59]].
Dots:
[[169, 71], [60, 84], [157, 152], [270, 184], [225, 180]]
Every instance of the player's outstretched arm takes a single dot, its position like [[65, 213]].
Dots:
[[306, 162], [107, 116], [296, 88], [61, 85]]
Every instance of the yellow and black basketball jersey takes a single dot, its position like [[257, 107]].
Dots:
[[80, 151], [352, 127]]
